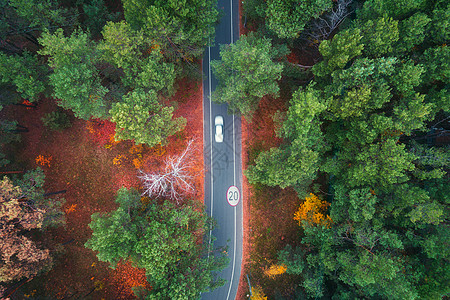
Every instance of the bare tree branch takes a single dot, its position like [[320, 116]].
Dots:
[[175, 180], [323, 26]]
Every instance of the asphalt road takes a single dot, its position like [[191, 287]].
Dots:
[[223, 160]]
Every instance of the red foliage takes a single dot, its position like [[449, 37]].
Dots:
[[293, 57], [102, 131], [125, 276], [190, 106], [28, 104], [43, 160]]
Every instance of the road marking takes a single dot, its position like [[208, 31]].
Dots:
[[234, 174], [211, 159], [234, 255], [232, 38], [233, 195], [210, 144]]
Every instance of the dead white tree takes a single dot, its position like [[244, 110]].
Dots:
[[324, 25], [175, 180]]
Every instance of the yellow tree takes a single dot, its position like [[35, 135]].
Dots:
[[313, 211], [258, 293], [274, 270]]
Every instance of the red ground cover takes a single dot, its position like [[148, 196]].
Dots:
[[87, 162], [262, 237], [268, 211]]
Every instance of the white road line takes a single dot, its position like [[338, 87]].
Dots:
[[232, 38], [234, 176], [234, 254], [210, 144]]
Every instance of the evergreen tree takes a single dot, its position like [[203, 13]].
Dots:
[[287, 18], [300, 159], [22, 74], [140, 59], [182, 29], [75, 79], [247, 72], [141, 118]]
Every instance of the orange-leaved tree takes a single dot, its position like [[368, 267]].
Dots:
[[313, 211], [275, 269], [258, 293]]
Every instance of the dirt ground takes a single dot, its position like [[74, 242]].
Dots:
[[85, 161]]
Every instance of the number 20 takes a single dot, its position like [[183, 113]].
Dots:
[[234, 196]]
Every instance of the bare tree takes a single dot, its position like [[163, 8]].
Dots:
[[175, 180], [323, 26]]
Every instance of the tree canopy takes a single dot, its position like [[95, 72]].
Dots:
[[21, 75], [181, 28], [84, 83], [23, 208], [247, 72], [141, 118], [75, 80], [363, 124], [287, 18], [161, 238]]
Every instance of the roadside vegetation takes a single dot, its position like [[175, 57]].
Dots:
[[347, 147], [98, 101]]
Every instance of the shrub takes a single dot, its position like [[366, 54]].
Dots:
[[56, 120]]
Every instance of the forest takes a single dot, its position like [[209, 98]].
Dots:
[[350, 197], [345, 109], [101, 191]]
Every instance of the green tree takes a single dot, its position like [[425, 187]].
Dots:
[[440, 23], [163, 240], [121, 45], [373, 9], [32, 186], [300, 159], [7, 130], [361, 250], [151, 73], [114, 235], [379, 36], [412, 32], [141, 118], [22, 74], [182, 29], [246, 73], [27, 18], [437, 66], [56, 120], [97, 15], [287, 18], [75, 79], [141, 59], [339, 51], [371, 106]]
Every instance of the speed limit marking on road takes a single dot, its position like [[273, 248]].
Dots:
[[233, 195]]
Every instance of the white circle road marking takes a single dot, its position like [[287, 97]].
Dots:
[[233, 195]]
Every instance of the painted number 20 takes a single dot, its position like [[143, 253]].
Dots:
[[233, 196]]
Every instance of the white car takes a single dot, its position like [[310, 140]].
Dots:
[[218, 122]]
